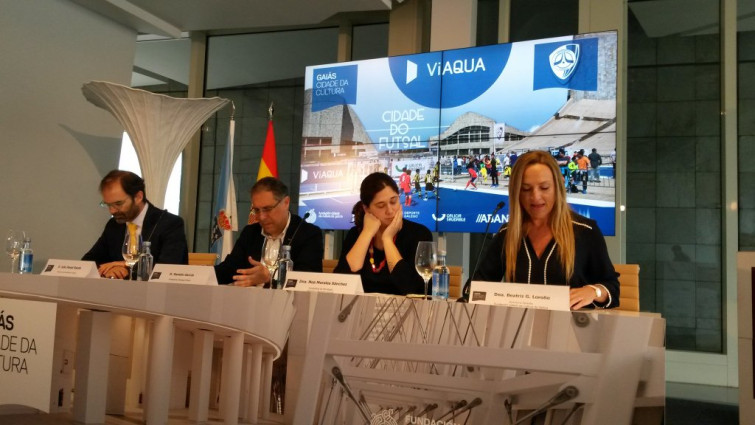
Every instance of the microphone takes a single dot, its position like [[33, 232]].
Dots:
[[303, 219], [472, 404], [429, 408], [468, 283]]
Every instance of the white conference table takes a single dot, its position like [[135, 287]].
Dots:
[[247, 315], [400, 360], [444, 349]]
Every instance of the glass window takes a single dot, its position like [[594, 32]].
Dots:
[[255, 70], [533, 19], [673, 168], [161, 65], [746, 123], [235, 61], [487, 22], [369, 41]]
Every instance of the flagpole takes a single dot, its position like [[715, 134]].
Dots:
[[226, 216], [230, 204]]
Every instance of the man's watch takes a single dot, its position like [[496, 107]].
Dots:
[[598, 291]]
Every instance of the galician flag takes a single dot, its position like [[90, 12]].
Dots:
[[269, 162], [226, 216]]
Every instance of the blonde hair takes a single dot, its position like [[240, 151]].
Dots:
[[560, 220]]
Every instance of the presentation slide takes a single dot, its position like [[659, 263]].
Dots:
[[455, 121]]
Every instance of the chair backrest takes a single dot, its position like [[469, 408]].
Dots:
[[328, 265], [202, 258], [454, 283], [629, 281]]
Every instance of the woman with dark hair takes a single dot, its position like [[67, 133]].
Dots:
[[382, 245], [546, 242]]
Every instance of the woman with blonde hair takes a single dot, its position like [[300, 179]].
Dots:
[[545, 242]]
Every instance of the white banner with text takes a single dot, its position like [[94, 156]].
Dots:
[[27, 337]]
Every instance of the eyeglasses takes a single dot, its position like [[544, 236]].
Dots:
[[265, 210], [116, 204]]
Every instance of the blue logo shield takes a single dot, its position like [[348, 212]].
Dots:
[[564, 61], [569, 65]]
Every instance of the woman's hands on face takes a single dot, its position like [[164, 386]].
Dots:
[[371, 224], [395, 226]]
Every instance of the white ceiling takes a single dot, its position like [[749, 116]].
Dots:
[[163, 60], [171, 17]]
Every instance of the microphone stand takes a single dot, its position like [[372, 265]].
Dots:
[[293, 235], [454, 407], [472, 404], [465, 291]]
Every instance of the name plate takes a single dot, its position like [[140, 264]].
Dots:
[[334, 283], [70, 268], [177, 273], [543, 297]]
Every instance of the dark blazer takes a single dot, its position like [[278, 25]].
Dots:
[[306, 249], [404, 278], [592, 264], [162, 229]]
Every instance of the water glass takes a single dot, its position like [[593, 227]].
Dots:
[[270, 257], [131, 248], [13, 244], [424, 261]]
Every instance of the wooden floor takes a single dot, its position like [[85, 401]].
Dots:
[[178, 417], [678, 412], [685, 404]]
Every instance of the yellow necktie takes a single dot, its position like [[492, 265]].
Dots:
[[133, 240]]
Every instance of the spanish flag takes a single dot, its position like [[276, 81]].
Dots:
[[269, 162]]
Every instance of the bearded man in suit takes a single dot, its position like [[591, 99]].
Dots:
[[123, 194]]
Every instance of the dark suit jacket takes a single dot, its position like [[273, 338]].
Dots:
[[164, 230], [306, 249], [592, 264], [404, 278]]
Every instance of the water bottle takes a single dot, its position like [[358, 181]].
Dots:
[[284, 265], [25, 257], [145, 262], [441, 277]]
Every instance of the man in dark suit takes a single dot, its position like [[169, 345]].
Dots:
[[275, 224], [123, 194]]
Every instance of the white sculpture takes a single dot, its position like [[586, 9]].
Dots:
[[159, 126]]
